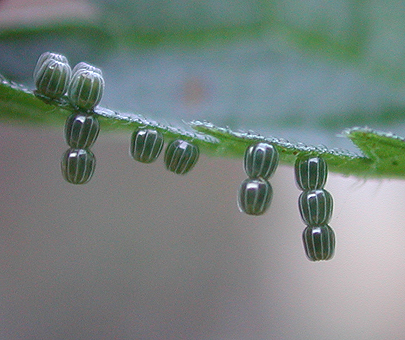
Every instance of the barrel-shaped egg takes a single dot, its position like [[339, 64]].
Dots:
[[146, 145], [261, 160], [49, 55], [86, 88], [181, 156], [85, 66], [78, 165], [311, 172], [319, 242], [315, 206], [81, 130], [254, 196], [52, 75]]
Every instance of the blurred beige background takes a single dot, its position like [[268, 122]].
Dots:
[[140, 253]]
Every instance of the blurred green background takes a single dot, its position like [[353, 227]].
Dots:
[[139, 253], [303, 70]]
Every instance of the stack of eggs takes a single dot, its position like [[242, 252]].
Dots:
[[84, 85], [315, 206], [255, 192]]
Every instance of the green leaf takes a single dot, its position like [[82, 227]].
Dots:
[[384, 153], [386, 150]]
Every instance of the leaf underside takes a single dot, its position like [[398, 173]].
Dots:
[[383, 154]]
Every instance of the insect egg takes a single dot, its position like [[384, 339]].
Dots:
[[315, 207], [78, 165], [254, 196], [319, 242], [261, 160], [81, 130], [181, 156], [146, 145], [46, 56], [52, 75], [86, 88], [85, 66], [311, 173]]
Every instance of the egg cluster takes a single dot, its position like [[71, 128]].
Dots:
[[315, 206], [315, 203], [84, 86], [78, 162], [180, 156], [255, 192]]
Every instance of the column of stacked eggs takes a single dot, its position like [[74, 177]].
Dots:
[[84, 85], [255, 192], [316, 206]]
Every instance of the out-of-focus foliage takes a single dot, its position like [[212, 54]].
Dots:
[[300, 69]]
